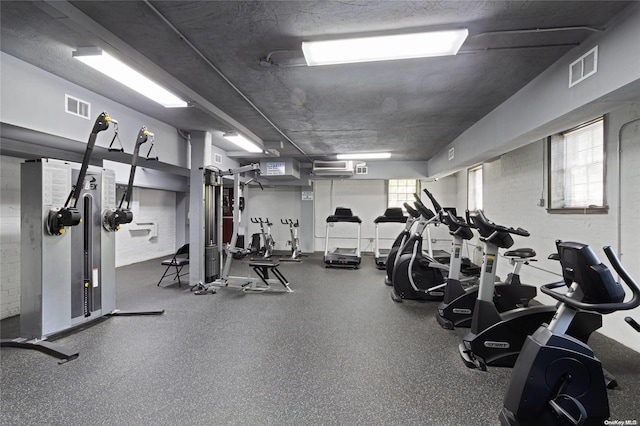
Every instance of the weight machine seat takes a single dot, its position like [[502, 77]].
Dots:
[[522, 253], [391, 215], [179, 260], [262, 268], [343, 214]]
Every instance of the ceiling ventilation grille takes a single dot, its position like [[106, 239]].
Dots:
[[77, 107], [217, 158], [583, 67]]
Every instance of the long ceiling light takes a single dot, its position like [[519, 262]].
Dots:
[[242, 142], [384, 48], [112, 67], [365, 156]]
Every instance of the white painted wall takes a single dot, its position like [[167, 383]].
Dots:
[[149, 206], [513, 184], [34, 99], [275, 204]]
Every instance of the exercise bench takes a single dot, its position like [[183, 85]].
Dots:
[[262, 268]]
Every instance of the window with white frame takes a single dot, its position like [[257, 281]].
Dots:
[[474, 188], [401, 191], [576, 168]]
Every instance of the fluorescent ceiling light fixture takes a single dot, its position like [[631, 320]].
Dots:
[[383, 48], [112, 67], [242, 142], [365, 156]]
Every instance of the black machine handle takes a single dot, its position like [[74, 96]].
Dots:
[[413, 212], [435, 203], [480, 217], [455, 219], [424, 211], [256, 220], [102, 123], [600, 307], [289, 222], [69, 215], [633, 323], [112, 219]]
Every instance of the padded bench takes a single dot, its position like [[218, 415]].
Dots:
[[262, 268]]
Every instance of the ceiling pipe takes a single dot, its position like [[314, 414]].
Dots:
[[213, 67], [539, 30]]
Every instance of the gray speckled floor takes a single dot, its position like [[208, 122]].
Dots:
[[337, 350]]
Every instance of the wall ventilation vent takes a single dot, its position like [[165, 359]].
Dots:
[[77, 107], [332, 168], [217, 158], [583, 67], [451, 154], [362, 169]]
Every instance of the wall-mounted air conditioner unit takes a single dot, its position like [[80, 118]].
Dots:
[[333, 168]]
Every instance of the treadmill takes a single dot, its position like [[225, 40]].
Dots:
[[391, 215], [342, 257]]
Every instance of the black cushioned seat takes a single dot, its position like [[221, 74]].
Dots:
[[523, 253]]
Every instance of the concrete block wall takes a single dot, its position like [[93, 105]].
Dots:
[[152, 206], [9, 236], [515, 182]]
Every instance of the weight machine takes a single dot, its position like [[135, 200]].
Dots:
[[67, 270], [213, 184]]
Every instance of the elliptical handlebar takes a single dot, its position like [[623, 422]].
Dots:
[[412, 212], [435, 203], [600, 307], [422, 209], [256, 220]]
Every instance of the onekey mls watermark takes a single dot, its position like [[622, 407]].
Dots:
[[627, 422]]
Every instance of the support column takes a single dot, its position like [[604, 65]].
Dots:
[[200, 157]]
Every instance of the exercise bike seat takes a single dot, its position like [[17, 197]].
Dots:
[[522, 253]]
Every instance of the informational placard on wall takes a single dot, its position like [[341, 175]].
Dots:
[[275, 169], [307, 195]]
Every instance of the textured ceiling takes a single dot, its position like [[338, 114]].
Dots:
[[412, 108]]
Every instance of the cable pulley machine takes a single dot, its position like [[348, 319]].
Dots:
[[213, 181], [61, 288]]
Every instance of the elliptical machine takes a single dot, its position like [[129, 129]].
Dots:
[[456, 309], [557, 379], [416, 276], [414, 216], [496, 338]]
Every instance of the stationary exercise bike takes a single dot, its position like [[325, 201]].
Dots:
[[496, 338], [294, 242], [414, 216], [557, 379], [417, 276], [456, 309], [265, 250]]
